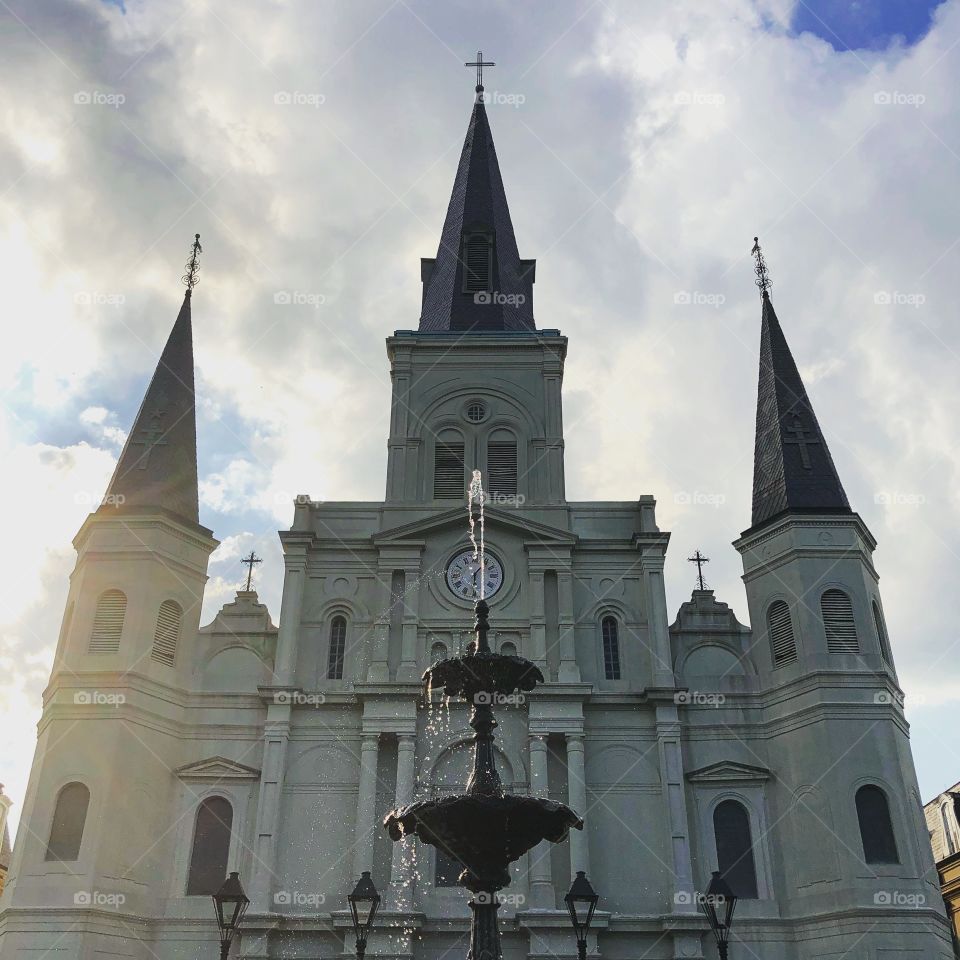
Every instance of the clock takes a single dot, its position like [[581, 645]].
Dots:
[[463, 575]]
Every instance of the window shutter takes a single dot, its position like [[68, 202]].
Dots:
[[502, 468], [448, 472], [876, 828], [882, 638], [69, 818], [167, 633], [211, 847], [731, 827], [476, 262], [783, 646], [108, 622], [838, 622]]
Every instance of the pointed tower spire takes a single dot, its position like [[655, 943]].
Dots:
[[792, 468], [158, 465], [477, 280]]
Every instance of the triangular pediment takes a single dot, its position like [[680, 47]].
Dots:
[[217, 768], [529, 529], [729, 771]]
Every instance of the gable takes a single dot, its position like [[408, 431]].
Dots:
[[214, 769]]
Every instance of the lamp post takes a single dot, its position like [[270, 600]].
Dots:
[[581, 902], [364, 902], [718, 904], [230, 903]]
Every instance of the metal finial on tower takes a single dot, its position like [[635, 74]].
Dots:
[[480, 63], [699, 559], [250, 561], [190, 278], [760, 268]]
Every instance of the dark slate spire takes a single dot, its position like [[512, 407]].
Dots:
[[478, 240], [792, 467], [158, 465]]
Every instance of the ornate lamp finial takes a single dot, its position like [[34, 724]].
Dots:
[[190, 278], [760, 268], [480, 63]]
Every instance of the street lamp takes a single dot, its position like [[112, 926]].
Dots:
[[231, 904], [581, 901], [718, 904], [364, 902]]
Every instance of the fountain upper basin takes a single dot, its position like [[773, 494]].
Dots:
[[482, 673]]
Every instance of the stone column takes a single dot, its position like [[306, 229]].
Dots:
[[538, 623], [542, 894], [276, 736], [577, 799], [651, 565], [671, 779], [366, 805], [401, 873], [378, 670], [569, 672], [290, 608], [407, 670]]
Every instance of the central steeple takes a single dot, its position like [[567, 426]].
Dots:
[[477, 280]]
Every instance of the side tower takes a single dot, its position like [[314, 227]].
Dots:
[[857, 871], [94, 840]]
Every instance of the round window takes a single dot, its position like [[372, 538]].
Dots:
[[476, 411]]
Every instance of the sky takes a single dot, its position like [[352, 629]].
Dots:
[[313, 146]]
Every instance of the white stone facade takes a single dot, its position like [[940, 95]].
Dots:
[[699, 715]]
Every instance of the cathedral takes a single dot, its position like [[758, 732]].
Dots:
[[170, 753]]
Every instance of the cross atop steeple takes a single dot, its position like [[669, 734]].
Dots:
[[250, 561], [699, 559], [760, 268], [480, 63]]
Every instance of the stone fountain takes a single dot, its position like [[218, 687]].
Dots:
[[484, 828]]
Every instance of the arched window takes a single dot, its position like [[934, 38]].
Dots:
[[477, 261], [876, 828], [731, 827], [783, 646], [449, 477], [447, 870], [211, 847], [69, 817], [882, 639], [108, 622], [611, 648], [438, 652], [167, 633], [501, 479], [338, 643], [508, 648], [947, 832], [838, 622]]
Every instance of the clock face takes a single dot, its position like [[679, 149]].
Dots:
[[463, 576]]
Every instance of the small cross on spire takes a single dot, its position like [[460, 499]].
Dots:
[[699, 559], [250, 561], [190, 278], [480, 63], [760, 268]]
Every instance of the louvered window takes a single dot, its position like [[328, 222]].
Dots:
[[167, 633], [611, 648], [881, 632], [338, 643], [477, 262], [502, 468], [108, 622], [449, 482], [838, 622], [782, 644]]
